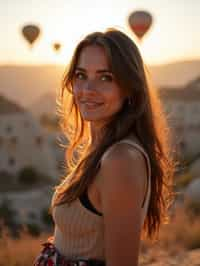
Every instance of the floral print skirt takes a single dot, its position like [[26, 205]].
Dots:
[[50, 256]]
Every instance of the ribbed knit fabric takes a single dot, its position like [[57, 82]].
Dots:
[[79, 233]]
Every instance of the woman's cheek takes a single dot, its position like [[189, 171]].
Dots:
[[76, 90]]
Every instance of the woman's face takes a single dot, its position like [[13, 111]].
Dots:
[[96, 92]]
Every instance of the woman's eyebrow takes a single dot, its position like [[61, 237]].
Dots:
[[80, 69], [98, 71], [104, 71]]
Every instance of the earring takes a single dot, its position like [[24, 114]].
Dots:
[[130, 101]]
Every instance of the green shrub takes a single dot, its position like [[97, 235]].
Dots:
[[7, 213], [28, 176], [33, 229], [8, 218]]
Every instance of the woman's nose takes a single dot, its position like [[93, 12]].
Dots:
[[89, 85]]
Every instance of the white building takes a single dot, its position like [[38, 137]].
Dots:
[[23, 142], [57, 142], [182, 106]]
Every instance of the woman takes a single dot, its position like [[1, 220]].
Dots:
[[118, 186]]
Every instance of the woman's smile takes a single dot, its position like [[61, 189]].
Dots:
[[91, 104]]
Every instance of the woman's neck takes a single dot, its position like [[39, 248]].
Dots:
[[96, 132]]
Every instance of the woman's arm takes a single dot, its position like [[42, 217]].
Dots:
[[123, 176]]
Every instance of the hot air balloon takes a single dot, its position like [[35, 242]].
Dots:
[[31, 33], [140, 22], [56, 46]]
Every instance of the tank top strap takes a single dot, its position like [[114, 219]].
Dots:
[[148, 184]]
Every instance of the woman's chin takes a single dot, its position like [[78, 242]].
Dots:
[[92, 118]]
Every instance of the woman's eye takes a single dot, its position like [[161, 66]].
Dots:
[[79, 75], [106, 78]]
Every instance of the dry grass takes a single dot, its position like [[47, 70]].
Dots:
[[174, 246], [21, 251], [178, 244], [183, 231]]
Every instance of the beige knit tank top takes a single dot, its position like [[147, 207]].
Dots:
[[79, 233]]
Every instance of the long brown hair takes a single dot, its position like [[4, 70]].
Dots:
[[144, 118]]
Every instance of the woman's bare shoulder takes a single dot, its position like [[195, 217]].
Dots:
[[122, 163], [121, 151]]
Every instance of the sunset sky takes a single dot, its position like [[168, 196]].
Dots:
[[174, 35]]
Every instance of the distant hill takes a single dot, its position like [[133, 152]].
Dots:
[[8, 107], [44, 104], [26, 84], [175, 74]]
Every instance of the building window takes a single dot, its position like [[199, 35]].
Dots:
[[39, 141], [9, 129], [11, 161]]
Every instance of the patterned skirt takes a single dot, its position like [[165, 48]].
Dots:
[[50, 256]]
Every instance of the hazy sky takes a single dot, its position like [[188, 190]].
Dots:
[[174, 35]]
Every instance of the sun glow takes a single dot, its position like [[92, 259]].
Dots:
[[68, 21]]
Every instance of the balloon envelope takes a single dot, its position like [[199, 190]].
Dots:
[[140, 22], [56, 46], [31, 33]]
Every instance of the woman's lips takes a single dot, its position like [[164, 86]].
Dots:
[[91, 104]]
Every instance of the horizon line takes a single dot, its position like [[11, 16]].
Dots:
[[11, 64]]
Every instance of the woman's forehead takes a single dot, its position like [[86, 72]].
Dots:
[[93, 56]]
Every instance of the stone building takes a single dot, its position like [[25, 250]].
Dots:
[[23, 142], [182, 106]]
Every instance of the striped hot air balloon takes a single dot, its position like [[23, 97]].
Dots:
[[140, 22]]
